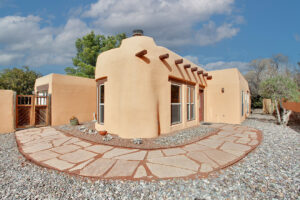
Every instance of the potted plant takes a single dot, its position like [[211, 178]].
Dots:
[[103, 132], [74, 121]]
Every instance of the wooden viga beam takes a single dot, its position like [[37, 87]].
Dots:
[[187, 66], [205, 74], [178, 61], [194, 69], [164, 56], [200, 72], [209, 77], [141, 53]]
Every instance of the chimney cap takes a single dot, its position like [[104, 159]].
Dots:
[[137, 32]]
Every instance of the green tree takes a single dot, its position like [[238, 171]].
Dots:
[[20, 80], [88, 48], [280, 88]]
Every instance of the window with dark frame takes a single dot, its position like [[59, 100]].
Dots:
[[190, 103], [175, 103], [101, 103]]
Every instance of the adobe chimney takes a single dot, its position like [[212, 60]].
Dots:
[[137, 32]]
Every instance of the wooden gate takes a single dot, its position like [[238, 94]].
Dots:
[[32, 110]]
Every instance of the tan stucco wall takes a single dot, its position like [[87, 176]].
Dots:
[[70, 96], [223, 107], [7, 114], [246, 97], [137, 91]]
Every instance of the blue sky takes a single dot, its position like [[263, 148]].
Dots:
[[216, 34]]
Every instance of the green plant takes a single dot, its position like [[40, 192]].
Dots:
[[280, 88]]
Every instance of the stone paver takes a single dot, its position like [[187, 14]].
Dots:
[[73, 140], [195, 147], [65, 149], [83, 144], [221, 157], [163, 171], [180, 161], [60, 141], [205, 168], [253, 143], [211, 143], [37, 147], [58, 164], [243, 140], [76, 156], [97, 168], [154, 154], [235, 147], [44, 155], [99, 148], [117, 152], [202, 158], [133, 156], [123, 168], [173, 151], [140, 172], [82, 165]]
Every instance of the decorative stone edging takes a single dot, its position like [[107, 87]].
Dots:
[[53, 149]]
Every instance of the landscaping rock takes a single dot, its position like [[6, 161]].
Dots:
[[137, 141], [107, 137]]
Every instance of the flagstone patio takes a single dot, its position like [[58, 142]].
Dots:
[[53, 149]]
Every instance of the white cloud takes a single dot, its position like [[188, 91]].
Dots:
[[211, 34], [26, 42], [171, 22], [193, 59], [242, 66]]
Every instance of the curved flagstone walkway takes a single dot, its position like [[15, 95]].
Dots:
[[53, 149]]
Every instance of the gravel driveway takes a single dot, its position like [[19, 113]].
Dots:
[[270, 171]]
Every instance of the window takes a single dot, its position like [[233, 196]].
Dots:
[[242, 103], [175, 103], [100, 92], [41, 98], [190, 103]]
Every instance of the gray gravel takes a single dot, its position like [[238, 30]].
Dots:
[[183, 135], [270, 172]]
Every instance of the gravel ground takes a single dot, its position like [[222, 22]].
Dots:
[[270, 172], [178, 138]]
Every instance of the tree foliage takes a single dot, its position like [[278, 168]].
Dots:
[[20, 80], [263, 69], [88, 48], [278, 88]]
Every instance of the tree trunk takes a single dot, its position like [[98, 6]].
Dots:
[[286, 116], [277, 111]]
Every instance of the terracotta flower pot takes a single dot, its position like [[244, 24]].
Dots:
[[102, 133]]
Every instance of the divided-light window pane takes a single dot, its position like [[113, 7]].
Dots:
[[175, 104], [102, 94], [102, 113], [175, 94], [101, 104], [190, 103], [175, 113]]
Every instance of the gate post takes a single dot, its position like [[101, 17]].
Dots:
[[15, 109], [32, 121]]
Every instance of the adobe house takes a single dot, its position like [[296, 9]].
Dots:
[[145, 90]]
